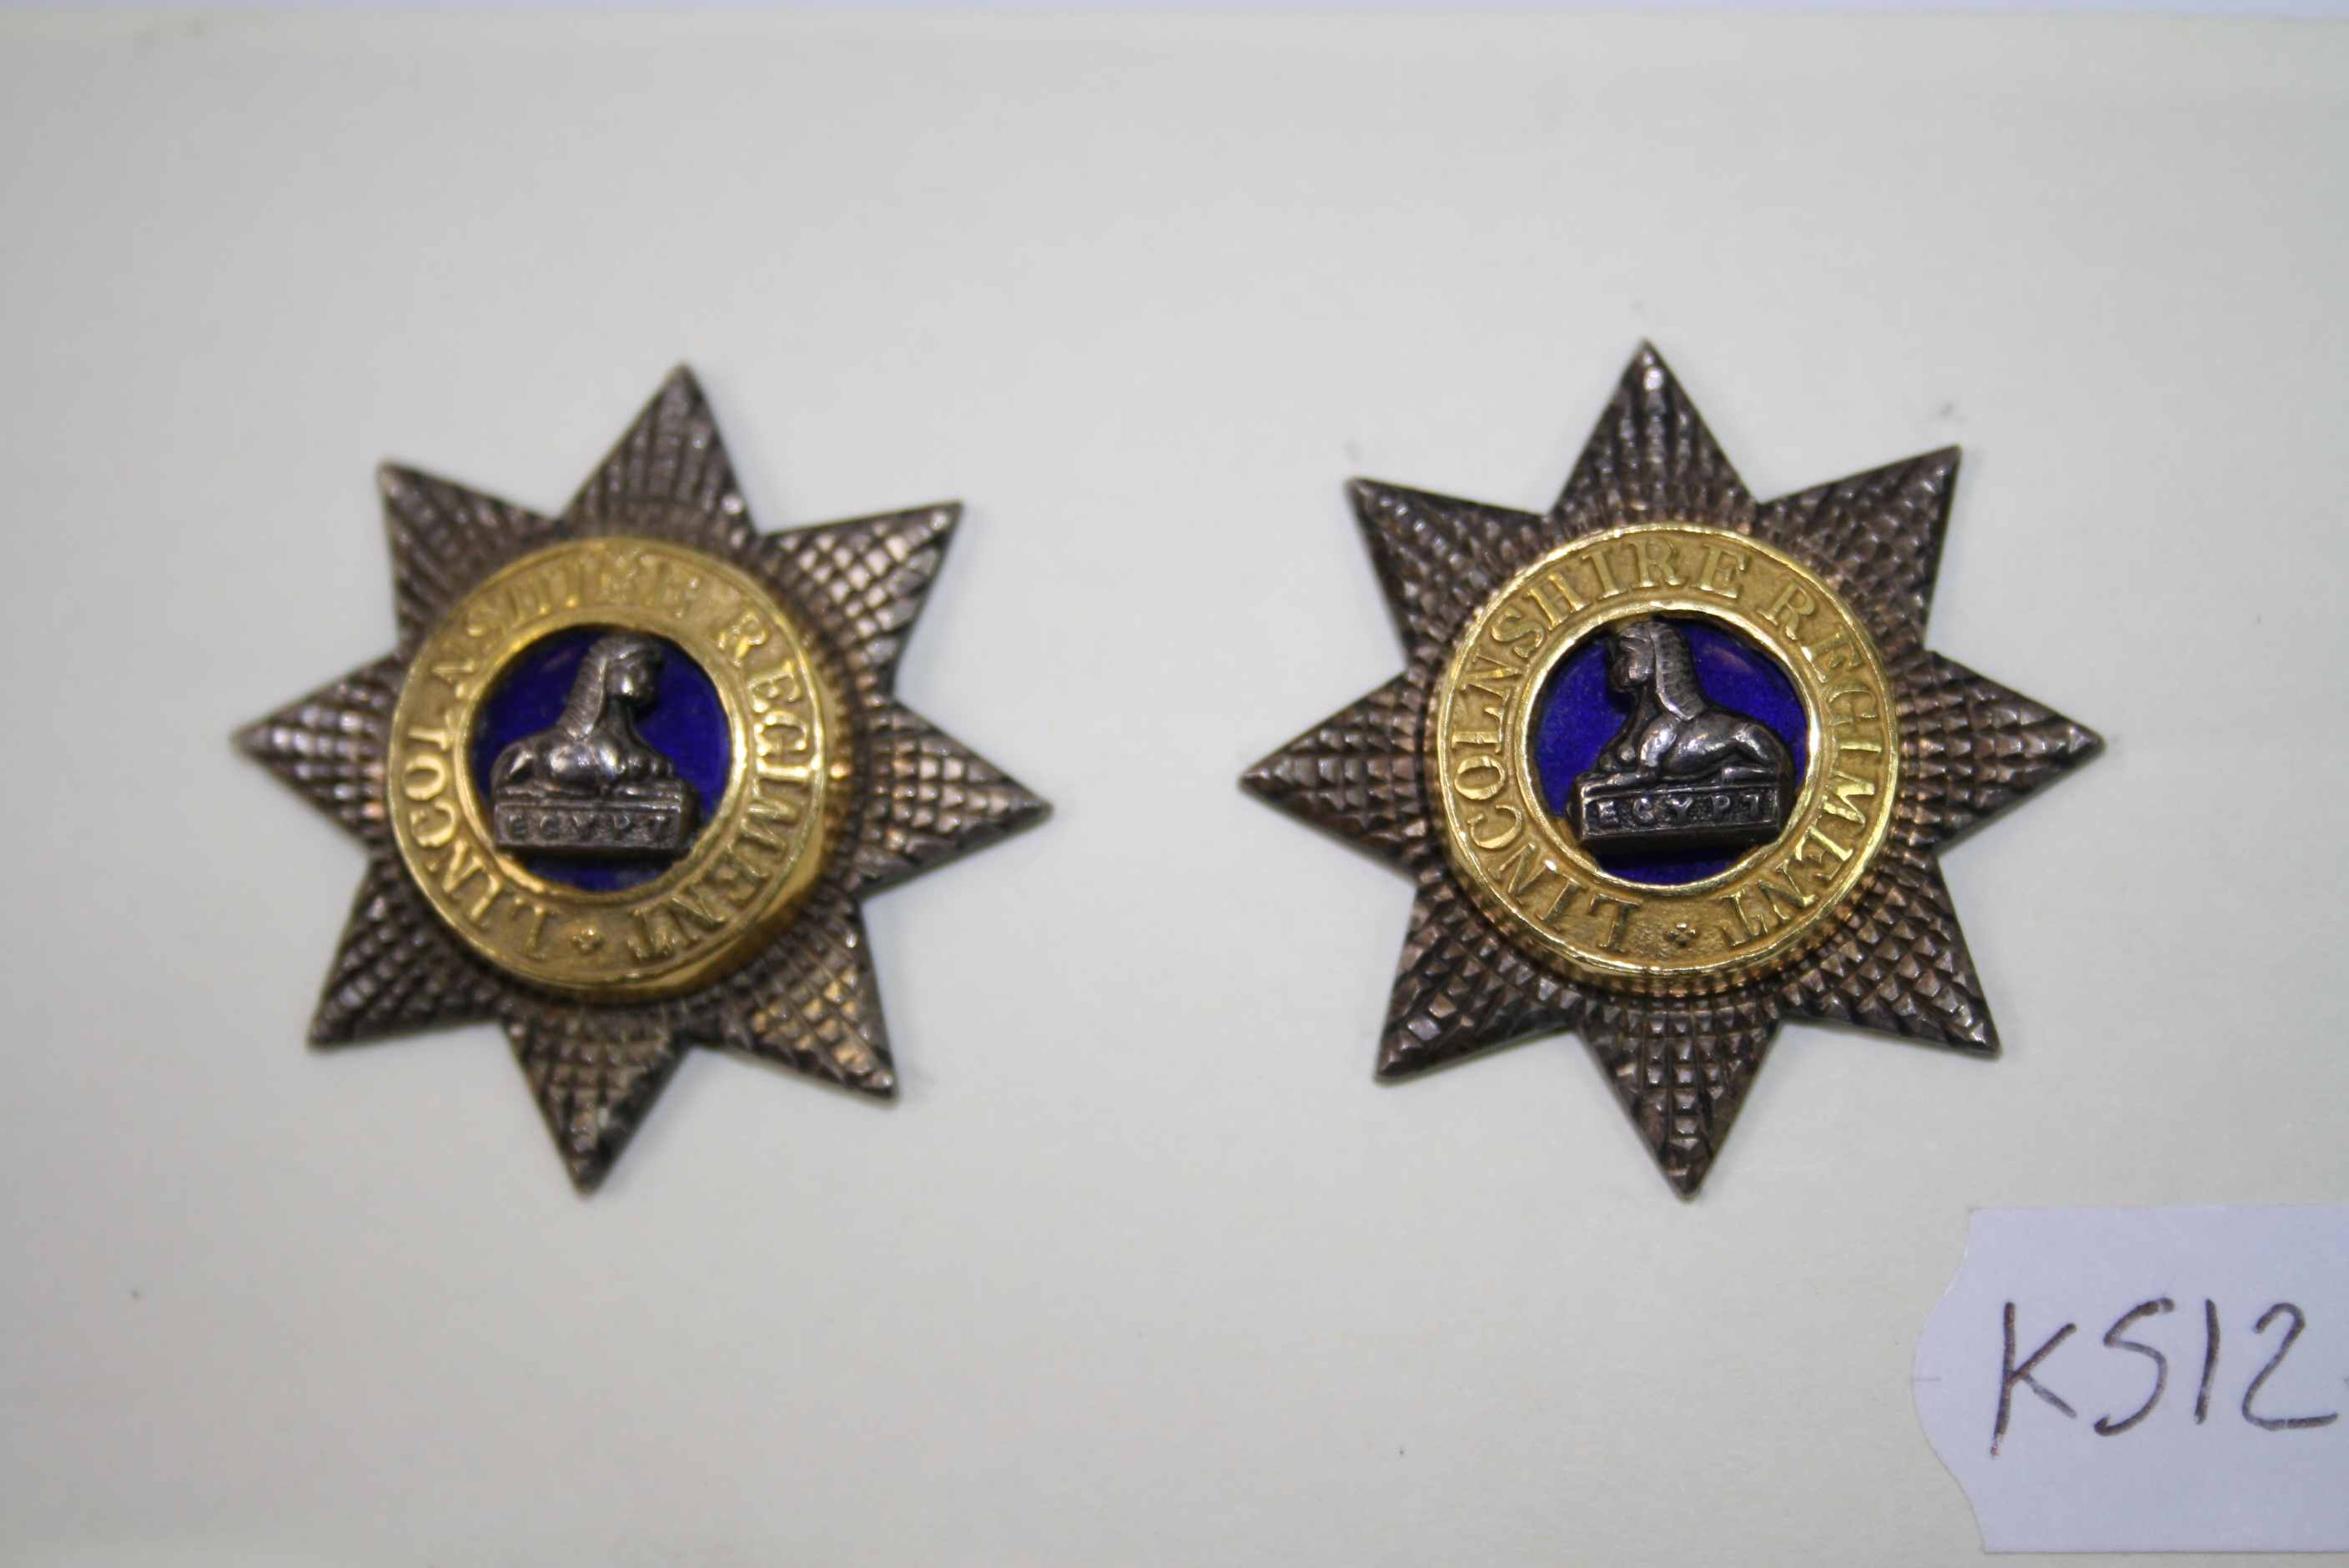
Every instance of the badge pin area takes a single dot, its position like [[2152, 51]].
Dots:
[[1669, 764], [627, 772]]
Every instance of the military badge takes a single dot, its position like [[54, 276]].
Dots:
[[1668, 764], [627, 772]]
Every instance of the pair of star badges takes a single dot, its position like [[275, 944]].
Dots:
[[1666, 765]]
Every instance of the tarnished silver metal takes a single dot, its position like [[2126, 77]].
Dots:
[[1681, 1026], [590, 784], [777, 969], [1682, 773]]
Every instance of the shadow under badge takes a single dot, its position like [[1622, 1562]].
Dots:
[[591, 784], [1681, 773]]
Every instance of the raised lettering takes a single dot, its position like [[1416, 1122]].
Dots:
[[1656, 558], [1857, 714], [1724, 571], [1624, 909], [434, 769], [785, 808], [690, 903], [1746, 929], [1516, 823], [462, 867], [1837, 653], [1841, 791], [780, 732], [537, 916], [1557, 906], [1790, 608], [1523, 871], [778, 688], [745, 633], [440, 832], [1781, 891], [1514, 612], [655, 938], [1609, 585], [1478, 763]]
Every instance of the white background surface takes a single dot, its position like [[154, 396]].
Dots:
[[2249, 1303], [1144, 1267]]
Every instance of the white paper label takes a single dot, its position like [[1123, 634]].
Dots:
[[2147, 1379]]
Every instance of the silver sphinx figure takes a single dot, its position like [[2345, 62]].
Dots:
[[592, 784], [1681, 773]]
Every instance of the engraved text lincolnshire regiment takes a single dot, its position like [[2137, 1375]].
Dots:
[[1539, 872]]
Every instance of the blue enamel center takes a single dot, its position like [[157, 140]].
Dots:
[[685, 723], [1577, 714]]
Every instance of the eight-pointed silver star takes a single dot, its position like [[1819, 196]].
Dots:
[[1897, 964], [807, 999]]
